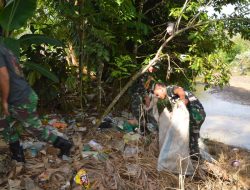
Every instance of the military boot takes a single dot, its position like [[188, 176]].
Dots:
[[17, 151], [64, 146]]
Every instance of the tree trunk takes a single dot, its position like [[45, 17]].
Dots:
[[99, 76], [141, 3]]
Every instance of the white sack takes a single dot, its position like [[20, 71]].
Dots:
[[174, 141]]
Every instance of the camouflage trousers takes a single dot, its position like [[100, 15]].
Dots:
[[197, 117], [139, 113], [24, 117], [136, 105]]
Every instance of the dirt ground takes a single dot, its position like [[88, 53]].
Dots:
[[112, 169], [238, 90]]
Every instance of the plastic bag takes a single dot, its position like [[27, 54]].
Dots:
[[174, 141]]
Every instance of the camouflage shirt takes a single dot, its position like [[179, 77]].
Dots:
[[139, 85], [192, 99]]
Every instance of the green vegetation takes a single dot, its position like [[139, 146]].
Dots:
[[240, 56], [71, 48]]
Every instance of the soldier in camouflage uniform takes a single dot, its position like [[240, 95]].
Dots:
[[196, 112], [140, 96], [19, 103]]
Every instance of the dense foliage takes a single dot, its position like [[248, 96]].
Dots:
[[105, 42]]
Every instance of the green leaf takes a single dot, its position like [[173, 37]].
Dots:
[[12, 44], [42, 70], [30, 39], [16, 13]]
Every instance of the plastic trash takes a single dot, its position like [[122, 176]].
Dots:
[[235, 163], [66, 158], [38, 145], [152, 128], [126, 115], [95, 146], [59, 125], [44, 177], [81, 178], [56, 132], [33, 147], [206, 156], [130, 151], [133, 169], [81, 129], [66, 186], [131, 137], [127, 127], [86, 154], [174, 141], [33, 151]]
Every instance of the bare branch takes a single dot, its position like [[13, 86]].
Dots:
[[169, 68], [198, 14], [179, 19]]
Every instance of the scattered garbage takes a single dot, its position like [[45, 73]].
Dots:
[[127, 127], [33, 147], [130, 151], [236, 150], [94, 121], [152, 128], [93, 149], [33, 151], [43, 177], [107, 122], [81, 129], [37, 144], [59, 125], [126, 115], [86, 154], [133, 169], [56, 132], [81, 178], [235, 163], [113, 159], [66, 186], [131, 137], [95, 146], [66, 158]]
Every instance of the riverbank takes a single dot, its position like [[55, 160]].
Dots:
[[228, 113], [238, 91], [226, 156]]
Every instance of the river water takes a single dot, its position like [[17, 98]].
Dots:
[[227, 121]]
